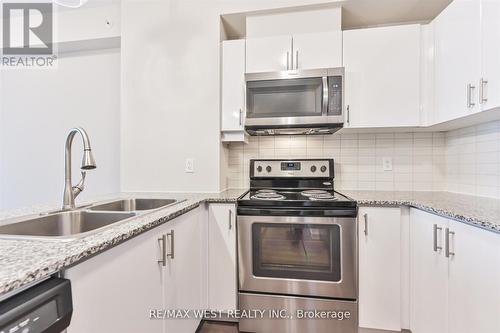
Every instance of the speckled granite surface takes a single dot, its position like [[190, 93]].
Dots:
[[478, 211], [25, 261]]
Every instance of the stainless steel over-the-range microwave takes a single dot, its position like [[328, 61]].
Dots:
[[295, 102]]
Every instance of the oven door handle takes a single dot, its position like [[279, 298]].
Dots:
[[324, 110]]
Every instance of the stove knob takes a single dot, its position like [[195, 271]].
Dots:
[[268, 168], [313, 168], [323, 168], [259, 168]]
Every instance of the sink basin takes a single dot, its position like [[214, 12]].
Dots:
[[129, 205], [69, 223]]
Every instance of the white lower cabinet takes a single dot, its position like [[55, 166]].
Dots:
[[474, 280], [428, 273], [380, 268], [222, 276], [116, 290], [185, 276], [455, 272]]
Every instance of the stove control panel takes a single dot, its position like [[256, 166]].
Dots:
[[292, 168]]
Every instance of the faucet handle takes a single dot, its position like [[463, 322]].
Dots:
[[78, 188]]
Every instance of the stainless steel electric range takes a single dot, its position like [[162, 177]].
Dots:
[[297, 250]]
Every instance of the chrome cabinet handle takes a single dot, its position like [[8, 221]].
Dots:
[[435, 232], [297, 59], [230, 218], [163, 241], [365, 216], [287, 60], [348, 115], [448, 253], [241, 116], [171, 254], [482, 87], [470, 88]]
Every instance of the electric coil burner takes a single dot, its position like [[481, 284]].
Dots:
[[297, 247], [267, 195]]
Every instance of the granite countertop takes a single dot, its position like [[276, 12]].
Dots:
[[25, 261], [477, 211]]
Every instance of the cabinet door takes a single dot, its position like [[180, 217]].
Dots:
[[233, 79], [490, 33], [222, 291], [127, 278], [317, 50], [268, 54], [185, 276], [474, 275], [380, 268], [457, 52], [382, 76], [429, 273]]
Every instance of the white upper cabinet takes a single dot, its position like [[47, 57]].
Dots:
[[457, 60], [380, 268], [382, 76], [489, 85], [300, 51], [268, 54], [317, 50], [233, 89]]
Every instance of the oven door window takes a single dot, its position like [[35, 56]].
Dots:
[[296, 251], [284, 98]]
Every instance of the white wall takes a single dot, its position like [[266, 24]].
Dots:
[[170, 91], [38, 108]]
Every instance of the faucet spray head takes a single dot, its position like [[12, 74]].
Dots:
[[88, 162]]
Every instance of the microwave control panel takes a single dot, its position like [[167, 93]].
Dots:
[[335, 95]]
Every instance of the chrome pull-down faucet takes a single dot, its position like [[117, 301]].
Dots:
[[88, 163]]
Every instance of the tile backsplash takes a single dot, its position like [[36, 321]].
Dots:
[[418, 158], [472, 160]]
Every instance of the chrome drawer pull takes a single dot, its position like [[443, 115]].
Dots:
[[171, 254], [163, 241], [365, 216], [448, 253], [435, 231]]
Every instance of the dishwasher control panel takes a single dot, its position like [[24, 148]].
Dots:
[[45, 307]]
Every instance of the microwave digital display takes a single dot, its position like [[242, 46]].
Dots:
[[290, 166]]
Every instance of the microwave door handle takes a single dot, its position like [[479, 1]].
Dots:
[[324, 110]]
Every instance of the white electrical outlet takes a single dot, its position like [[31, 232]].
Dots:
[[189, 165], [387, 163]]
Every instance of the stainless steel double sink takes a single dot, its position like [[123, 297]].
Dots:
[[81, 222]]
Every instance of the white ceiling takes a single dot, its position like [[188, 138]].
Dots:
[[355, 13], [363, 13]]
